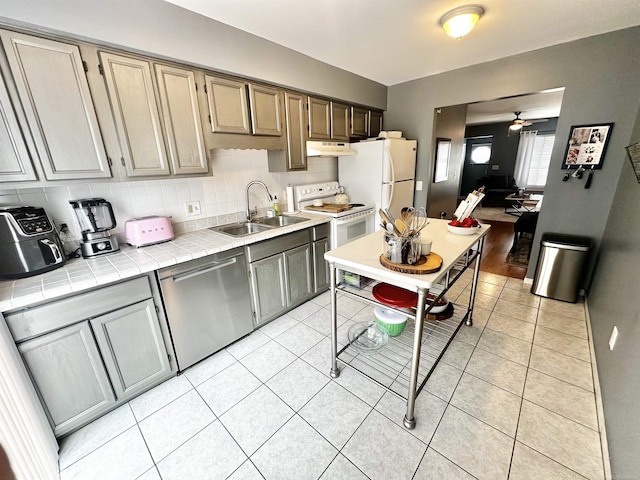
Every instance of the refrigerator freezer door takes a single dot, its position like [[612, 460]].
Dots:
[[399, 162], [397, 196]]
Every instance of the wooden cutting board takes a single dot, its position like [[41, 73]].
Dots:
[[426, 264], [330, 207]]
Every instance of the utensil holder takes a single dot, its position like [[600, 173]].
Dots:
[[404, 249]]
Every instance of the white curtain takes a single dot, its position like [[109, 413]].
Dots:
[[523, 158]]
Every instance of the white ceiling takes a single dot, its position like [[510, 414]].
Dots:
[[393, 41], [536, 106]]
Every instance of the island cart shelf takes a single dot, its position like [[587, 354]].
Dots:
[[406, 362]]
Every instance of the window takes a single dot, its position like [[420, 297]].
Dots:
[[540, 159], [480, 153]]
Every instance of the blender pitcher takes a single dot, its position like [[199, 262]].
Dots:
[[95, 217]]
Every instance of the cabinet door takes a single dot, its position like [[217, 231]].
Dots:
[[319, 119], [228, 106], [339, 121], [137, 119], [298, 274], [15, 161], [268, 289], [68, 374], [296, 148], [133, 348], [375, 123], [320, 267], [265, 110], [359, 122], [54, 93], [183, 131]]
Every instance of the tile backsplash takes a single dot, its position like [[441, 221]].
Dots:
[[221, 196]]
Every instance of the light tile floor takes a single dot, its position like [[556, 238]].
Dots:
[[513, 397]]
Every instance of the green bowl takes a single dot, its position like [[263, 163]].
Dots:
[[392, 322]]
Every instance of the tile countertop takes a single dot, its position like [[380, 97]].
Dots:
[[82, 274]]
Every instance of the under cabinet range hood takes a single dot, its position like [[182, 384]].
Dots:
[[328, 149]]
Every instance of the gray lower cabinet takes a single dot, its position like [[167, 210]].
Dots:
[[67, 371], [90, 352], [133, 348], [320, 268], [280, 274], [53, 92]]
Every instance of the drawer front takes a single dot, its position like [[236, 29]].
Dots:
[[45, 318], [276, 245]]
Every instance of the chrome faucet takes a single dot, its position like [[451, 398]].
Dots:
[[251, 213]]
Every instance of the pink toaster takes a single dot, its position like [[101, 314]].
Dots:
[[148, 230]]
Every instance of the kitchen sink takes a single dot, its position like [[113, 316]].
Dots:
[[262, 224], [241, 229], [279, 221]]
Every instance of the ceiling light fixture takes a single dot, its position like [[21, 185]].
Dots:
[[460, 21]]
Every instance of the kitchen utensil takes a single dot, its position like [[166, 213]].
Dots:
[[96, 218], [389, 320], [341, 198], [389, 219], [367, 337], [394, 296]]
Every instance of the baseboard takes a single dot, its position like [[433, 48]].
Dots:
[[599, 408], [528, 281]]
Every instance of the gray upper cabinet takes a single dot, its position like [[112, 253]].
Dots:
[[339, 121], [133, 349], [228, 107], [15, 161], [359, 122], [265, 110], [319, 119], [67, 371], [296, 148], [183, 131], [50, 80], [131, 93], [375, 123]]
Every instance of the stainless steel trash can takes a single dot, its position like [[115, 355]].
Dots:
[[561, 266]]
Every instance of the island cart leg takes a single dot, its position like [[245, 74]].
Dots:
[[335, 373], [409, 421], [474, 283]]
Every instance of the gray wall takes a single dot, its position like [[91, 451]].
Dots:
[[600, 75], [443, 196], [163, 29], [613, 301]]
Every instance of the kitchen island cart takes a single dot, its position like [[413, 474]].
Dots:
[[406, 361]]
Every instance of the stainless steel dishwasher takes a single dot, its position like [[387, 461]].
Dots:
[[207, 303]]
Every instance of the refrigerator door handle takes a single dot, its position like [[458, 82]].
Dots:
[[389, 160], [388, 187]]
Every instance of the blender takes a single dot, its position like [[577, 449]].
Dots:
[[95, 216]]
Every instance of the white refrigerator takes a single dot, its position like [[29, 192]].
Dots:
[[382, 172]]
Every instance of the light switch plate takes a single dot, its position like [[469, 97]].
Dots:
[[419, 186], [495, 167], [193, 208]]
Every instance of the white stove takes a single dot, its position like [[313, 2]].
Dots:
[[346, 226]]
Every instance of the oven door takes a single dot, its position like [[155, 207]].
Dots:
[[351, 227]]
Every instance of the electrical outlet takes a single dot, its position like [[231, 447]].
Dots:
[[419, 186], [193, 208], [614, 337]]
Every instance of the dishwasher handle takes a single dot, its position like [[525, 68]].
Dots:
[[206, 269]]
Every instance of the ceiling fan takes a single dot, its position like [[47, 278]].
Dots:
[[518, 123]]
